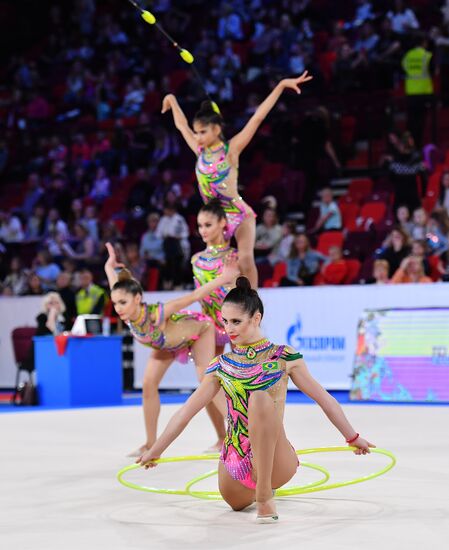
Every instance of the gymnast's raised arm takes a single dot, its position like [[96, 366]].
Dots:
[[171, 103]]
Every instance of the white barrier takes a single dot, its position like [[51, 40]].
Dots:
[[321, 322]]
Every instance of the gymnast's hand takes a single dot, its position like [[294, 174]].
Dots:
[[363, 446], [166, 103], [295, 83], [147, 459], [112, 259], [230, 269]]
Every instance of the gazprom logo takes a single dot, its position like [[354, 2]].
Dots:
[[296, 339]]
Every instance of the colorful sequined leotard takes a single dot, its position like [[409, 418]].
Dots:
[[181, 329], [207, 266], [212, 172], [263, 366]]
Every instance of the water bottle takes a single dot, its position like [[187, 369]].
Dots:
[[106, 326]]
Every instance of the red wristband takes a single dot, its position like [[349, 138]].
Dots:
[[353, 439]]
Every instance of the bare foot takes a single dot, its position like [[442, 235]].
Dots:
[[139, 452]]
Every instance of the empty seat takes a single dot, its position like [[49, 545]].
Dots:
[[353, 271], [360, 189], [328, 239]]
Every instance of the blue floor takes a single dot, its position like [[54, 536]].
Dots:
[[168, 398]]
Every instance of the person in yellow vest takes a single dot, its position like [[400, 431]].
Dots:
[[90, 298], [418, 86]]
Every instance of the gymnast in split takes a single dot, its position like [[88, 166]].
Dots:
[[171, 332], [256, 457], [218, 161]]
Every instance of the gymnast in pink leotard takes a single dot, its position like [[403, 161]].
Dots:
[[256, 456], [218, 160]]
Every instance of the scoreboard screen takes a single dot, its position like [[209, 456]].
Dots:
[[402, 355]]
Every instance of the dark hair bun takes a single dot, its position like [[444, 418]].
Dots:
[[242, 283], [206, 107], [124, 275]]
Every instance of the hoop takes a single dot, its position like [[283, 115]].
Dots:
[[320, 485]]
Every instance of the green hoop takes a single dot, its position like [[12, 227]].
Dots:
[[320, 485]]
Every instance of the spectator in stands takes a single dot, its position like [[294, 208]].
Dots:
[[268, 233], [101, 186], [81, 151], [418, 86], [229, 24], [85, 249], [403, 19], [403, 219], [91, 298], [443, 202], [394, 249], [166, 184], [151, 245], [36, 223], [58, 195], [303, 263], [174, 231], [109, 233], [406, 164], [386, 55], [33, 194], [53, 318], [437, 234], [90, 221], [315, 152], [134, 262], [419, 227], [335, 269], [16, 279], [65, 290], [46, 270], [69, 266], [380, 273], [34, 286], [55, 225], [282, 250], [330, 216], [10, 227], [421, 250], [411, 270], [76, 213]]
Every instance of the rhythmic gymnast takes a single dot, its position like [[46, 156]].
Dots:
[[218, 160], [256, 457], [209, 264], [171, 332]]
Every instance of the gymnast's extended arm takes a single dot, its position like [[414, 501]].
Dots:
[[305, 382], [203, 395]]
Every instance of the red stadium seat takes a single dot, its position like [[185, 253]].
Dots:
[[374, 211], [359, 189], [353, 271], [279, 271], [328, 239]]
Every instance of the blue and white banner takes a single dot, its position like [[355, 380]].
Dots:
[[320, 322]]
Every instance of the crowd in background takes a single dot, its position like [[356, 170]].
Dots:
[[87, 158]]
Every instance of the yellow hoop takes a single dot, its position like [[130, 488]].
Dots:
[[320, 485]]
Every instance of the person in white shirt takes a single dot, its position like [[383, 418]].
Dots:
[[174, 231], [402, 19], [330, 216], [10, 228]]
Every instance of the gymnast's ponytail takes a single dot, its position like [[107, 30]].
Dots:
[[245, 296]]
